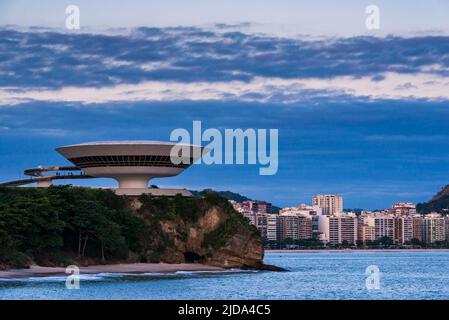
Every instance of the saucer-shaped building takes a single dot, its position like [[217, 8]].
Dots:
[[131, 163]]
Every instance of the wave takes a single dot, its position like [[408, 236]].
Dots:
[[104, 276], [90, 277]]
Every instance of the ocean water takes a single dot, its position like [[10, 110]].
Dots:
[[312, 275]]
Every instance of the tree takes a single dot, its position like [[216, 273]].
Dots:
[[108, 233], [385, 241], [83, 221], [345, 244]]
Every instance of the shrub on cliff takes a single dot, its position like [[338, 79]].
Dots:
[[40, 223], [51, 226], [235, 222]]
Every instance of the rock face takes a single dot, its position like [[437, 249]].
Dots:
[[215, 235], [241, 250]]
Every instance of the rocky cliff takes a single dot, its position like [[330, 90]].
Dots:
[[63, 225], [212, 233]]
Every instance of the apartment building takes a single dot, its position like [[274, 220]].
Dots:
[[383, 225], [365, 232], [261, 224], [433, 228], [403, 229], [403, 209], [329, 203], [273, 227], [295, 227], [417, 227], [257, 207], [446, 227], [342, 228]]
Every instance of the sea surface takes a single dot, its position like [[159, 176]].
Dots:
[[312, 275]]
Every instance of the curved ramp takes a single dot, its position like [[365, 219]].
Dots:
[[37, 172], [46, 180]]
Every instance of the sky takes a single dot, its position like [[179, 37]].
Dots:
[[362, 113]]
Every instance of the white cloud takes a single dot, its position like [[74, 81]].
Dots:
[[260, 89]]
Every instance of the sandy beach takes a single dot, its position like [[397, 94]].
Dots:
[[37, 271]]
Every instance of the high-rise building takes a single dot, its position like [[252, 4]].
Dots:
[[342, 228], [245, 210], [309, 210], [365, 232], [403, 229], [256, 212], [262, 207], [305, 227], [288, 227], [320, 227], [417, 227], [383, 225], [433, 228], [403, 209], [295, 227], [273, 227], [251, 218], [302, 209], [398, 227], [258, 207], [348, 229], [261, 224], [446, 227], [329, 203], [334, 230]]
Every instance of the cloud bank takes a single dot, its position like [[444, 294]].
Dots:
[[187, 63]]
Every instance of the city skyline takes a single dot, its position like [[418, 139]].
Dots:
[[325, 223]]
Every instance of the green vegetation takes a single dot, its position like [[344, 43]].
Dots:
[[440, 204], [229, 195], [177, 208], [382, 243], [235, 222], [298, 243], [60, 225], [41, 224]]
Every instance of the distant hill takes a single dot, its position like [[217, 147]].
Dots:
[[442, 193], [438, 203], [233, 196]]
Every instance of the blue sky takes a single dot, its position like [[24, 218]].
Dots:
[[359, 112]]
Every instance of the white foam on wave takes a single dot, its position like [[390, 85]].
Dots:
[[90, 277], [227, 271], [110, 275]]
